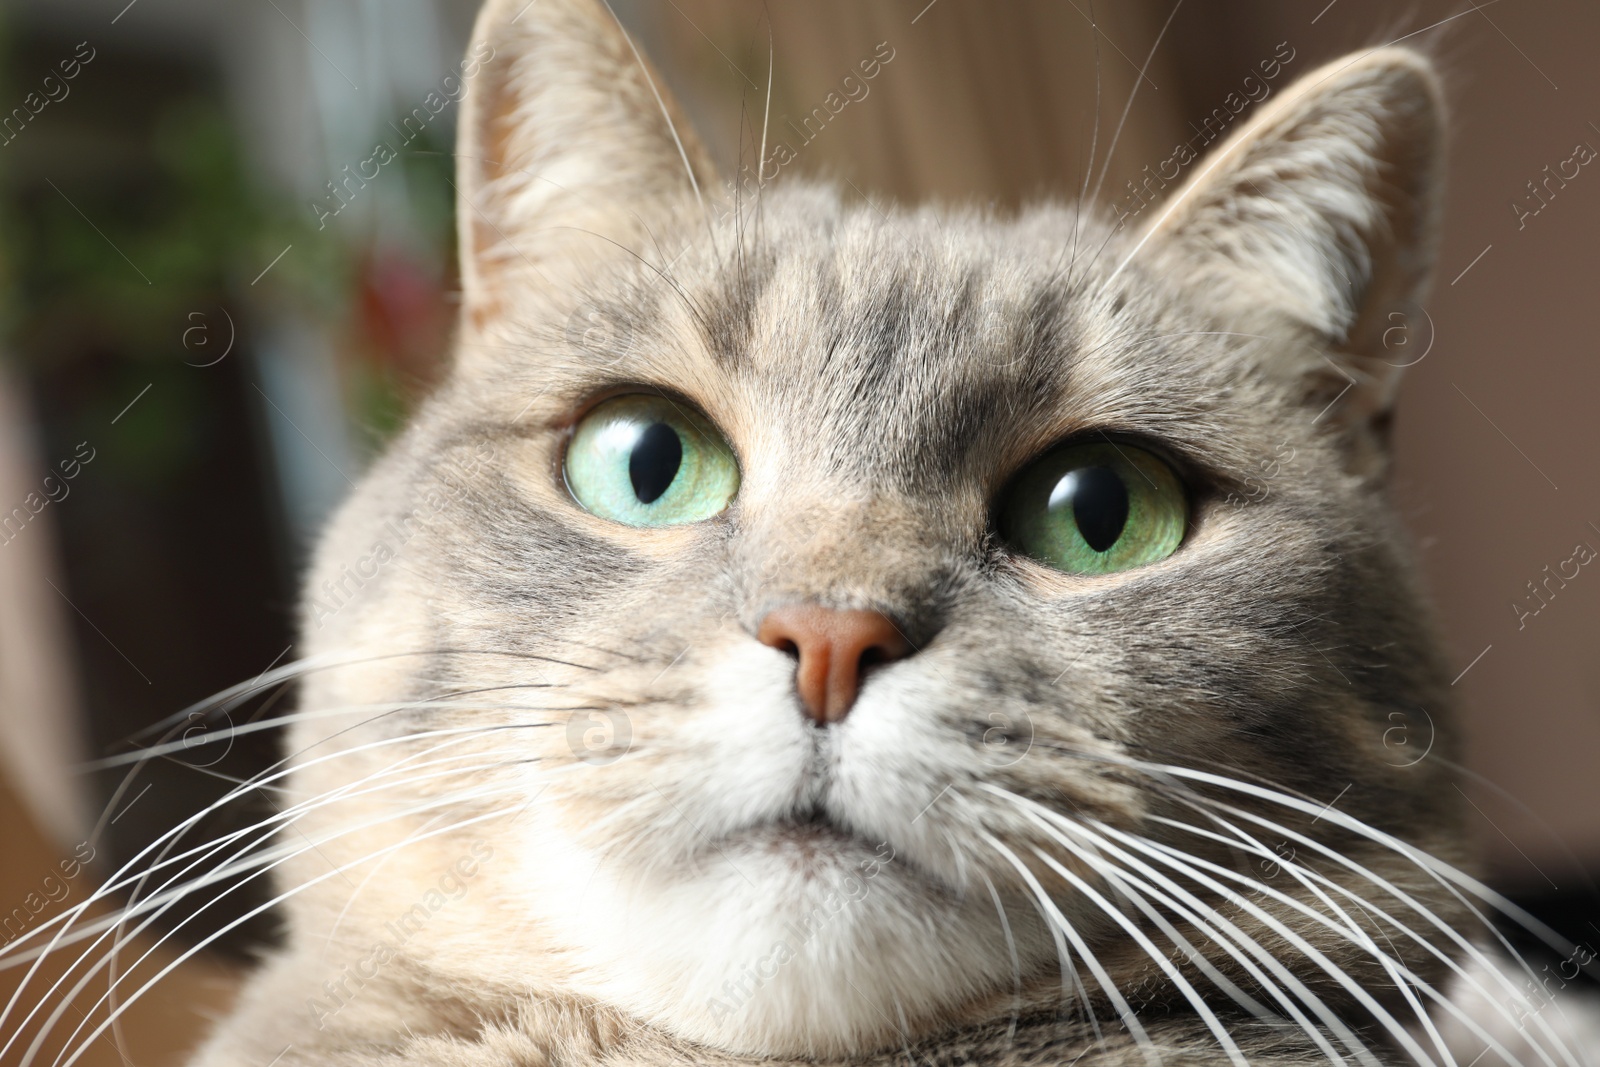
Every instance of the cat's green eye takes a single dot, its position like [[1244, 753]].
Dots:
[[647, 461], [1095, 508]]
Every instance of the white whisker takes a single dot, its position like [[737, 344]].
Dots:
[[263, 863], [1011, 951], [1102, 978], [1187, 990], [1133, 95], [1303, 873], [163, 899], [149, 984], [1202, 915]]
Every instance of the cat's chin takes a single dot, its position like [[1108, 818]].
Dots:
[[800, 939]]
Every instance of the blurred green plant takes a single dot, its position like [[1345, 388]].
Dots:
[[116, 271]]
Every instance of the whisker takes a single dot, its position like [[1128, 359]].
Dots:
[[113, 883], [1448, 877], [316, 664], [1202, 915], [1130, 1021], [264, 863], [1094, 142], [1138, 83], [49, 1026], [1194, 867], [157, 901], [150, 983], [344, 792], [304, 716], [1207, 1016], [1402, 977], [672, 127], [766, 119], [1470, 950], [1356, 937], [1072, 987], [1440, 872], [1011, 951], [272, 860], [1403, 983]]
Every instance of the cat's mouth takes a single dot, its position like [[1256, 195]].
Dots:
[[811, 831], [815, 842], [813, 819]]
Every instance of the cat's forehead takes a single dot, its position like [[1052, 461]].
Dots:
[[906, 340], [928, 287], [921, 352]]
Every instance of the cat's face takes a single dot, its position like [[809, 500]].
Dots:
[[671, 825]]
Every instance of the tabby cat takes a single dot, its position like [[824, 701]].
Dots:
[[803, 630]]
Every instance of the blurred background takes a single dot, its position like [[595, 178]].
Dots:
[[204, 336]]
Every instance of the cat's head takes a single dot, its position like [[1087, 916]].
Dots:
[[799, 619]]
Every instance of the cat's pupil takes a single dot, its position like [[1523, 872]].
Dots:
[[1099, 503], [657, 455]]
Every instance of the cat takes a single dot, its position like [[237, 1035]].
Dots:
[[800, 630]]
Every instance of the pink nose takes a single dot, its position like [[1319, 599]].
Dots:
[[833, 649]]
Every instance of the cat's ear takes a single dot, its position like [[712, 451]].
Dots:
[[569, 144], [1323, 211]]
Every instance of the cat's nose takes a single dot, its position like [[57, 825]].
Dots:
[[833, 650]]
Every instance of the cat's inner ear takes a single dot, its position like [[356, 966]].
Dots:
[[1322, 212], [570, 146]]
